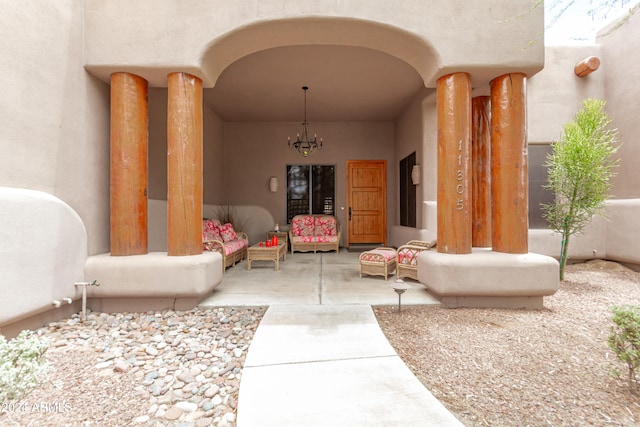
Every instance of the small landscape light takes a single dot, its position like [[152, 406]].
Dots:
[[400, 287]]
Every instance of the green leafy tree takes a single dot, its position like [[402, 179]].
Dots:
[[580, 168]]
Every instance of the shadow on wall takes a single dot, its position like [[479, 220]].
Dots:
[[254, 220]]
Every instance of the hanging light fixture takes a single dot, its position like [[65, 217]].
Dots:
[[303, 144]]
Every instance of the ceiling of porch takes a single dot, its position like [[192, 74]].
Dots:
[[345, 84]]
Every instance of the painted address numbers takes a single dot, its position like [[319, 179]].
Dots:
[[459, 179]]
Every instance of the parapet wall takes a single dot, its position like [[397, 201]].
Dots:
[[613, 237], [43, 248]]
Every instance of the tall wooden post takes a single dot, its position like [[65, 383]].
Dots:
[[129, 175], [481, 167], [184, 165], [509, 164], [454, 171]]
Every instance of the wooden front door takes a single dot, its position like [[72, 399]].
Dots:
[[366, 202]]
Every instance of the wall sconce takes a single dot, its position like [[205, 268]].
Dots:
[[273, 184], [415, 174]]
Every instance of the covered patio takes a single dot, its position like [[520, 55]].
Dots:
[[325, 278]]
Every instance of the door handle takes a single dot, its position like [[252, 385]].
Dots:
[[349, 213]]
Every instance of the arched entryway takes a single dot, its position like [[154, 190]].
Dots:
[[244, 59]]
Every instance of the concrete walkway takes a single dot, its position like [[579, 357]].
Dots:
[[330, 366], [319, 357]]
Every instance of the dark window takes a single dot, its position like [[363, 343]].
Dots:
[[537, 179], [407, 192], [310, 189]]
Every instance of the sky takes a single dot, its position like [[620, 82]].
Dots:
[[569, 22]]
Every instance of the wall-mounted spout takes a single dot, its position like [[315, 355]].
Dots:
[[84, 295], [56, 303], [67, 300]]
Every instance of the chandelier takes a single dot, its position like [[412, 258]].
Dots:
[[303, 144]]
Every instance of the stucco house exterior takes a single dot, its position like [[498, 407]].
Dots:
[[219, 83]]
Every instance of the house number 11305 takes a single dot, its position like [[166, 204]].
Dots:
[[459, 179]]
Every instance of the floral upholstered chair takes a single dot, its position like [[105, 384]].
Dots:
[[222, 238], [407, 258]]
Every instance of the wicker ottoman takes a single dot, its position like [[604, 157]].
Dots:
[[378, 262]]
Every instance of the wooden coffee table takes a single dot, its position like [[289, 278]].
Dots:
[[263, 253]]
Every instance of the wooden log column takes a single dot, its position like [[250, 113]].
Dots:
[[481, 171], [509, 164], [184, 165], [129, 174], [454, 170]]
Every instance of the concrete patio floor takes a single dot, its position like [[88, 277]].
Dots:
[[324, 278]]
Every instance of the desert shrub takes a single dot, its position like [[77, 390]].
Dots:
[[22, 364], [624, 338], [580, 170]]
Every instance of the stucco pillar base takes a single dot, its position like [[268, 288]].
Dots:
[[486, 278], [153, 281]]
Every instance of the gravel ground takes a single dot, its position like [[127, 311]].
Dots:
[[488, 367], [550, 367], [149, 369]]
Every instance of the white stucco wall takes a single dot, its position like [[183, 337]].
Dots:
[[43, 247]]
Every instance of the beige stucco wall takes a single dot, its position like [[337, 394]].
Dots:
[[54, 132], [620, 59], [416, 130], [252, 219], [555, 94], [612, 237], [253, 152], [429, 151], [435, 37], [408, 139]]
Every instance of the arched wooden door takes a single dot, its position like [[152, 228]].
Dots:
[[366, 202]]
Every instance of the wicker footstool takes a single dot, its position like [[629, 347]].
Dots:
[[378, 262]]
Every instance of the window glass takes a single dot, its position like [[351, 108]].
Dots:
[[310, 189], [407, 192], [537, 180]]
